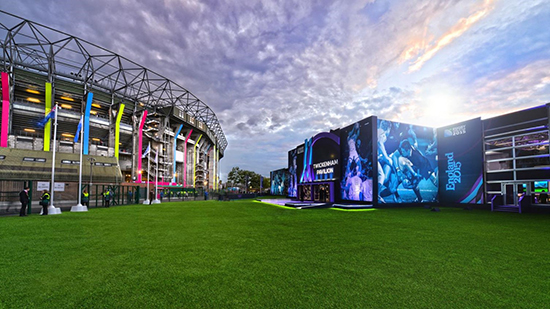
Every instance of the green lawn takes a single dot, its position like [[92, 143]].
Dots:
[[245, 254]]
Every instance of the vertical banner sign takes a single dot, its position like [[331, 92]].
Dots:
[[185, 159], [195, 161], [86, 135], [117, 128], [48, 108], [460, 154], [140, 145], [5, 109], [174, 152]]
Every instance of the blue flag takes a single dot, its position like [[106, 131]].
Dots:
[[146, 151], [42, 122], [78, 129]]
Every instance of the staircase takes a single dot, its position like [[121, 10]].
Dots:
[[498, 205]]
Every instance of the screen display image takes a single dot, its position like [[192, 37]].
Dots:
[[407, 163], [279, 182], [356, 161], [293, 175], [541, 186]]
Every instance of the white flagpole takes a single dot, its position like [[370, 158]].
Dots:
[[156, 200], [52, 210], [79, 207], [147, 201]]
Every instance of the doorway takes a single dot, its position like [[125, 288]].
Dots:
[[321, 193], [514, 192]]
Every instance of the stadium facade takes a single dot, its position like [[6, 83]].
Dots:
[[125, 106], [503, 161]]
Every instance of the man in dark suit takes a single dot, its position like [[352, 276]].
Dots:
[[24, 199]]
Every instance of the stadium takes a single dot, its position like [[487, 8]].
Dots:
[[125, 106]]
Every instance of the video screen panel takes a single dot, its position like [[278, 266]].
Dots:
[[407, 163], [279, 182], [293, 173], [541, 186], [356, 161], [461, 162]]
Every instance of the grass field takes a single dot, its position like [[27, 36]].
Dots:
[[245, 254]]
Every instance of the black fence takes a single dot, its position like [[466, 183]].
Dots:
[[121, 194]]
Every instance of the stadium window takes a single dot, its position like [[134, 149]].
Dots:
[[107, 164], [29, 159], [2, 157], [66, 162], [99, 164]]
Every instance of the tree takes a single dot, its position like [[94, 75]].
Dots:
[[246, 179]]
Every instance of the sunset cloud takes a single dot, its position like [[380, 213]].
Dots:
[[427, 51]]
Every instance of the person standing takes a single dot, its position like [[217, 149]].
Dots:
[[45, 202], [107, 198], [24, 199], [85, 198]]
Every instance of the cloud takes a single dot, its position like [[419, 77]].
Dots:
[[525, 87], [427, 52]]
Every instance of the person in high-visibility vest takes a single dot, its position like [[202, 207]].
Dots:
[[85, 198], [45, 202], [107, 198]]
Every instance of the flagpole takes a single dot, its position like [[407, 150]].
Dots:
[[156, 200], [52, 210], [147, 201], [79, 207]]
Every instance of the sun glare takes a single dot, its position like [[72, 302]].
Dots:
[[439, 108]]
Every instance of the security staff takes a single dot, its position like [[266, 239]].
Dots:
[[107, 198], [45, 202], [85, 198]]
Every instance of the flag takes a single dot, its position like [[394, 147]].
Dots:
[[78, 129], [146, 151], [42, 122], [156, 156]]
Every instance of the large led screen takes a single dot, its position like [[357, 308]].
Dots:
[[407, 163], [279, 182], [293, 173], [461, 162], [356, 161]]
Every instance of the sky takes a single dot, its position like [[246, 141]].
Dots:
[[278, 72]]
